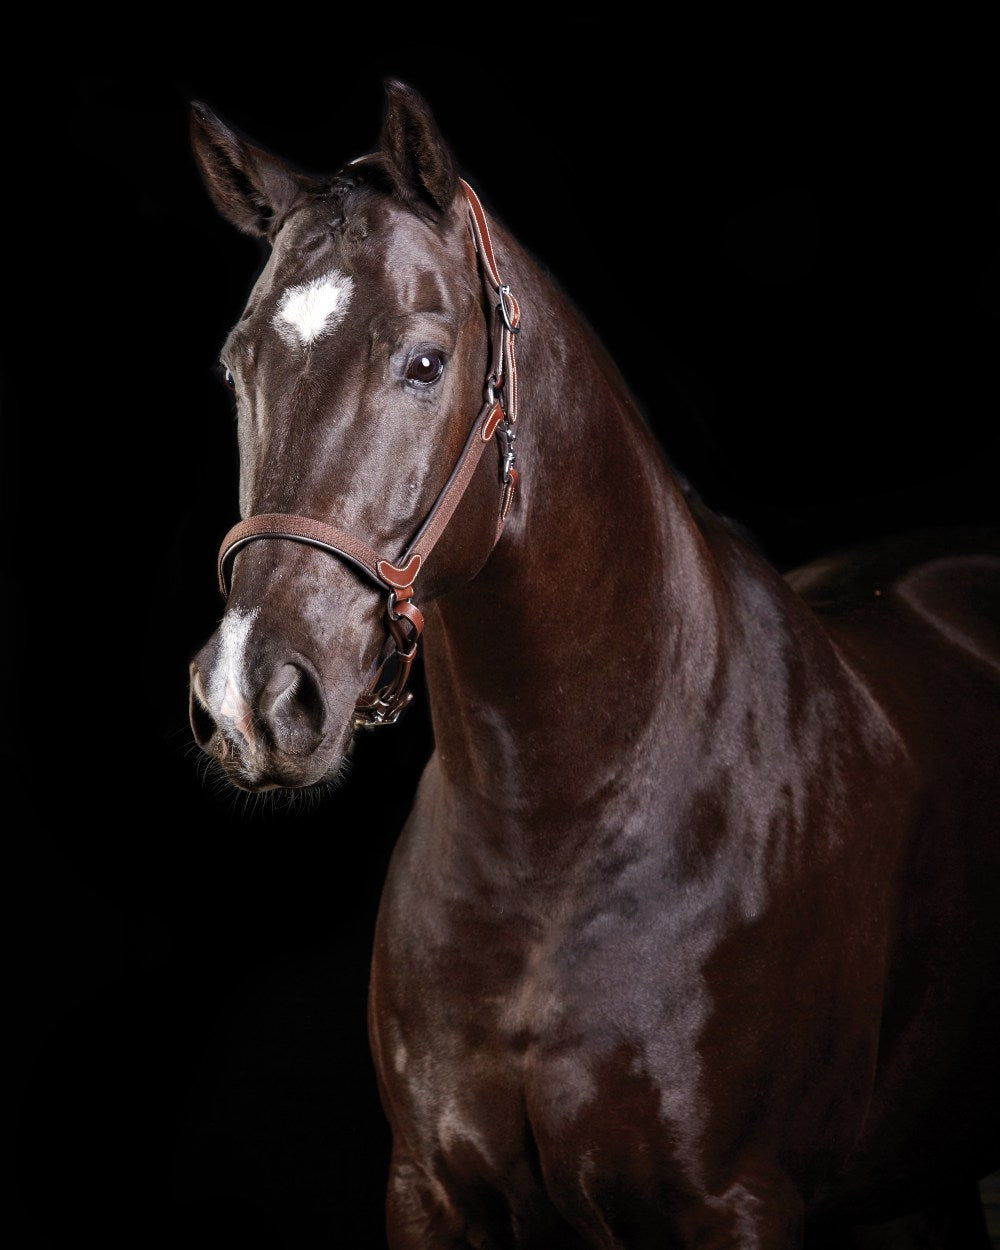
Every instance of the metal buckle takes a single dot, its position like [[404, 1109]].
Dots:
[[505, 311]]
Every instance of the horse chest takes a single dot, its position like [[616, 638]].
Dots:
[[572, 1043]]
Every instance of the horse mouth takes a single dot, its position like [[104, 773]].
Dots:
[[270, 771]]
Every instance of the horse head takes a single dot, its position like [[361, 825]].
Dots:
[[371, 368]]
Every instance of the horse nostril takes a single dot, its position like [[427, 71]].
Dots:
[[203, 724], [293, 708], [280, 690]]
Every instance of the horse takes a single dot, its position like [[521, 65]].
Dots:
[[690, 938]]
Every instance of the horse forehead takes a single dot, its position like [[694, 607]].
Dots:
[[308, 255], [378, 262]]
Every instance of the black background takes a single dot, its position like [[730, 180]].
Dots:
[[787, 239]]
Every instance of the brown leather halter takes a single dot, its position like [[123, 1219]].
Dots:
[[383, 704]]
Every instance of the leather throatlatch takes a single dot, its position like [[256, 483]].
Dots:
[[382, 702]]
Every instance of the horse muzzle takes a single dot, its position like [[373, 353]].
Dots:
[[276, 733]]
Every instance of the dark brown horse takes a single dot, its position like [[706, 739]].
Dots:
[[692, 937]]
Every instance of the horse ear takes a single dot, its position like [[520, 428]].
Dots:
[[416, 156], [250, 187]]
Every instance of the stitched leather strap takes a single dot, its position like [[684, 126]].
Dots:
[[509, 322], [301, 529]]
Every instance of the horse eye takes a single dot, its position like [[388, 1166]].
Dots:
[[228, 378], [425, 367]]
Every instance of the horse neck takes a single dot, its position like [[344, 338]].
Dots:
[[592, 633]]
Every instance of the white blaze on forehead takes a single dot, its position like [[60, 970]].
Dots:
[[311, 309]]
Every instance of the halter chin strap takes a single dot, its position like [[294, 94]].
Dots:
[[382, 704]]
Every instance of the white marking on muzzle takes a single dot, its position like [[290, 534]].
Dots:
[[310, 310], [225, 685]]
